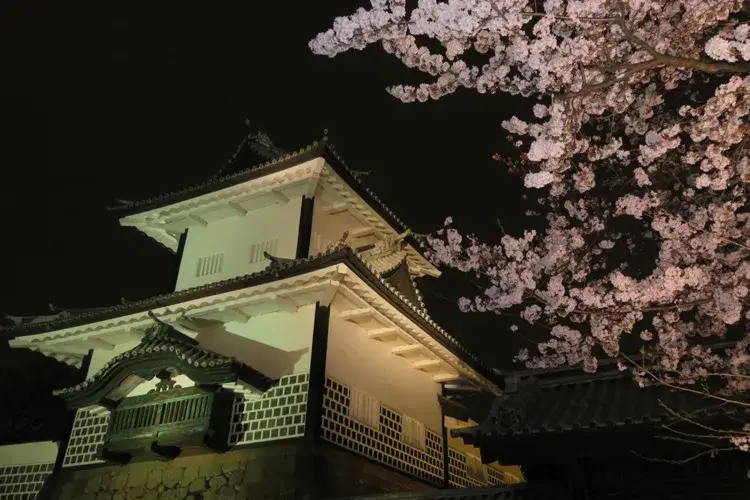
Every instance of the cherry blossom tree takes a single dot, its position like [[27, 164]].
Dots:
[[639, 155]]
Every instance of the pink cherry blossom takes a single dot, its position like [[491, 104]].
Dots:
[[639, 146]]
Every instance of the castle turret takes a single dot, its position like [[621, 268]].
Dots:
[[295, 355]]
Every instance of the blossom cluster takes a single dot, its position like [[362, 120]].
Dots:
[[641, 121]]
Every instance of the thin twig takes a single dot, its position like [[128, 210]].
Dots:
[[686, 389]]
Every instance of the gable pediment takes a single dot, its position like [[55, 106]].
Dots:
[[164, 353]]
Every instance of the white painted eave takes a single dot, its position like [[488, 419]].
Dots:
[[165, 224], [69, 345]]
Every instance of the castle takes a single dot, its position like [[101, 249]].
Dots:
[[294, 358]]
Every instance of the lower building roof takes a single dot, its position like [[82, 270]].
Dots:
[[280, 269], [568, 403]]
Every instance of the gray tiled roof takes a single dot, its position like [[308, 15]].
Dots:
[[591, 402], [237, 175]]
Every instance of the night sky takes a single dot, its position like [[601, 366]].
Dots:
[[100, 101]]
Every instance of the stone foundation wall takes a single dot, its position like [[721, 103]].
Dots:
[[262, 472], [342, 474]]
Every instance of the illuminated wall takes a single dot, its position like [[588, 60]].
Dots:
[[275, 344], [328, 226], [24, 468], [234, 246], [367, 364], [100, 357]]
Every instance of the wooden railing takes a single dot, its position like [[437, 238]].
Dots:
[[177, 419], [180, 409]]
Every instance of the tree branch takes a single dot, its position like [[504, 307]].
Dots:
[[686, 389], [619, 312]]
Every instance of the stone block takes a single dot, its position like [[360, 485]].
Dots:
[[150, 495], [211, 468], [189, 475], [229, 466], [174, 494], [138, 476], [227, 493], [153, 479], [197, 485], [93, 485], [107, 481], [119, 481], [172, 477], [236, 477], [217, 482], [135, 492]]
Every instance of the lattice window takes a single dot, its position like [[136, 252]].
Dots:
[[23, 482], [457, 470], [379, 443], [414, 432], [364, 408], [475, 468], [86, 439], [257, 249], [209, 265], [496, 477], [390, 423], [278, 414]]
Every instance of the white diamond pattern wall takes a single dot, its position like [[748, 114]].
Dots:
[[278, 414], [23, 482], [86, 439]]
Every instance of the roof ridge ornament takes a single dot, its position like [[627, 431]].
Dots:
[[277, 262]]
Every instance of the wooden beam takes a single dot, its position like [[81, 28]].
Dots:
[[128, 334], [187, 323], [426, 363], [61, 349], [197, 220], [99, 344], [285, 304], [379, 333], [445, 377], [406, 349], [336, 208], [361, 232], [278, 196], [237, 209], [229, 314], [68, 359], [355, 314]]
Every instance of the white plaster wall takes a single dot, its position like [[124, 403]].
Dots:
[[276, 344], [41, 452], [234, 236], [100, 357], [182, 380], [328, 228], [356, 360]]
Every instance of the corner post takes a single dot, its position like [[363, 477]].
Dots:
[[306, 457]]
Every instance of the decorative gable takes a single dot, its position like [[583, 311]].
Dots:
[[163, 350]]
